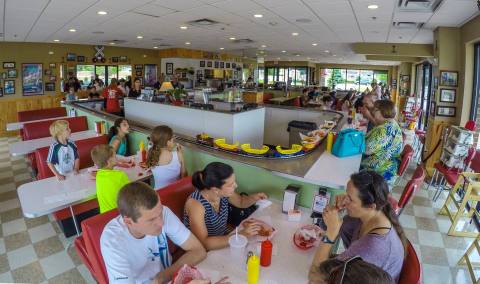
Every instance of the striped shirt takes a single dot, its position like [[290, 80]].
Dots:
[[216, 223], [63, 156]]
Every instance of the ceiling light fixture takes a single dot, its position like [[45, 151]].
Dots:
[[258, 16], [263, 45], [334, 55], [297, 55], [187, 43], [72, 30], [222, 48], [56, 40], [112, 43], [102, 13], [50, 52], [183, 27], [283, 51], [294, 34], [372, 7], [314, 44], [232, 38], [327, 51], [155, 47], [139, 37]]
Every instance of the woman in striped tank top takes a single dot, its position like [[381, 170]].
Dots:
[[206, 210]]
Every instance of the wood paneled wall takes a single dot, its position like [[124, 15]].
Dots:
[[10, 107]]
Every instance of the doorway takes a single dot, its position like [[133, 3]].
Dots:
[[423, 90]]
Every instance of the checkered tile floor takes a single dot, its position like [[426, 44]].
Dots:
[[35, 251]]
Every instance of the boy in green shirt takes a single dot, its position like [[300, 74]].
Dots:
[[108, 181]]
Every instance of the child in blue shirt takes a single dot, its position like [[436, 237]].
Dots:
[[63, 154]]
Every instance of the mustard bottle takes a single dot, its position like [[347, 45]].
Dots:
[[253, 269], [329, 142]]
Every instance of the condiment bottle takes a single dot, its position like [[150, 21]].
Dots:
[[266, 253], [253, 269], [143, 153], [329, 141]]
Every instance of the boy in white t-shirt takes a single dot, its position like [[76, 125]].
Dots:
[[134, 245]]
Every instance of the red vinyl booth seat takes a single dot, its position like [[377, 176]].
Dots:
[[41, 129], [84, 147], [412, 269], [37, 114], [173, 196], [267, 97], [407, 155]]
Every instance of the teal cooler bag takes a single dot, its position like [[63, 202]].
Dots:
[[349, 142]]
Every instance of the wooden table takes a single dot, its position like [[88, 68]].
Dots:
[[289, 264], [29, 146], [281, 100], [19, 125], [46, 196]]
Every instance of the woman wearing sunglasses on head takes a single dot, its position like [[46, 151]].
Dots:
[[370, 229]]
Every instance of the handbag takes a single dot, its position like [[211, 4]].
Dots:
[[349, 142]]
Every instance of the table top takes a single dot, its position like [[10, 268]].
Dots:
[[281, 99], [289, 264], [42, 197], [19, 125], [29, 146]]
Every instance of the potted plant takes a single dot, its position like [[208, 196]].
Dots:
[[178, 95]]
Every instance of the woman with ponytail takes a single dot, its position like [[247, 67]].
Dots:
[[165, 157], [206, 210], [371, 228], [117, 136]]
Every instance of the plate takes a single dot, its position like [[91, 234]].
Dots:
[[308, 231], [267, 231]]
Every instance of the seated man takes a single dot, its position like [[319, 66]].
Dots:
[[134, 245]]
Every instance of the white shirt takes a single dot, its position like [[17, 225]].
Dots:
[[167, 174], [131, 260]]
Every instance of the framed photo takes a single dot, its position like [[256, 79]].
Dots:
[[169, 68], [52, 65], [9, 87], [202, 63], [48, 72], [50, 87], [217, 64], [222, 64], [71, 57], [138, 67], [449, 78], [405, 78], [234, 65], [122, 59], [52, 78], [448, 95], [32, 83], [138, 73], [8, 65], [4, 75], [115, 59], [446, 111], [1, 92], [433, 105], [227, 65], [209, 63], [151, 74], [12, 73], [80, 58]]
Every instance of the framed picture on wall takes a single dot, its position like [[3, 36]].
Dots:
[[433, 104], [138, 67], [217, 64], [122, 59], [150, 74], [71, 57], [12, 73], [227, 65], [52, 78], [138, 73], [449, 78], [9, 87], [405, 78], [32, 83], [48, 72], [80, 58], [50, 87], [222, 64], [209, 63], [114, 59], [234, 65], [8, 65], [169, 68], [4, 75], [1, 92], [448, 95], [446, 111], [202, 63], [52, 65]]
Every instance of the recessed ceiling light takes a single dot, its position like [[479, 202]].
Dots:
[[314, 44], [327, 51], [187, 43], [50, 52], [101, 12], [294, 34], [222, 48], [373, 7], [112, 43], [263, 45], [334, 55], [144, 56], [297, 54], [72, 30], [183, 27], [232, 38], [139, 37], [283, 51], [278, 58], [258, 16], [155, 47], [56, 40]]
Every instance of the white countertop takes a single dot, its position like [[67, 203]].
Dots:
[[289, 264], [42, 197], [29, 146], [19, 125]]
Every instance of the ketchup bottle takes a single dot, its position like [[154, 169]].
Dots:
[[266, 253]]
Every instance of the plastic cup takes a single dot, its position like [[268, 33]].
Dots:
[[237, 248]]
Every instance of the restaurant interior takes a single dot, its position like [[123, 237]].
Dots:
[[281, 122]]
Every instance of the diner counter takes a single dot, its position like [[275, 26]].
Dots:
[[318, 167]]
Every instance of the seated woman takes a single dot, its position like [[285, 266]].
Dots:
[[206, 210], [384, 142], [117, 136], [93, 93], [371, 229], [352, 270], [165, 161], [327, 102]]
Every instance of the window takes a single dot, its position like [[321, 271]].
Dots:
[[346, 79], [85, 73], [261, 75], [380, 76], [366, 78], [124, 71], [353, 78]]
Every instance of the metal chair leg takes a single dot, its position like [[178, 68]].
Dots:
[[434, 176], [440, 188]]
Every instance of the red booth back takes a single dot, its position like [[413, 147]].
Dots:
[[40, 129], [412, 270], [406, 156], [37, 114]]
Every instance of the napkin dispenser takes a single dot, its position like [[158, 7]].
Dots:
[[320, 201], [290, 198]]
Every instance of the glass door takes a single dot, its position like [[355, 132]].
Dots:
[[423, 87]]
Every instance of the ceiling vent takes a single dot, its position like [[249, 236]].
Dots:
[[157, 39], [407, 25], [203, 22], [98, 32], [243, 41], [164, 44], [426, 6]]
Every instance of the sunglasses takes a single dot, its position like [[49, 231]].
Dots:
[[346, 262]]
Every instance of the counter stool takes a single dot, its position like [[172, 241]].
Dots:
[[406, 156], [418, 144], [470, 183], [465, 259]]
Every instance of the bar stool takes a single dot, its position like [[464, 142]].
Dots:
[[406, 156], [470, 183], [465, 259]]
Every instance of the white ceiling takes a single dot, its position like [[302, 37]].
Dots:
[[333, 24]]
